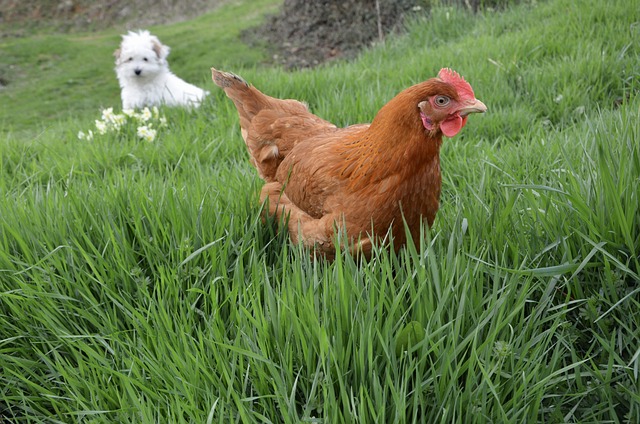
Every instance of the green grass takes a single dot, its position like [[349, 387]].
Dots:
[[52, 77], [138, 283]]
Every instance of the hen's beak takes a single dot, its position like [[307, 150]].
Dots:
[[472, 106]]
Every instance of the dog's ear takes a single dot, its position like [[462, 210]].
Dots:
[[160, 49], [116, 54]]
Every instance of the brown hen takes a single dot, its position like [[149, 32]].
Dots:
[[362, 180]]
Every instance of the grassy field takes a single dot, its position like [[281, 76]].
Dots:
[[138, 283], [52, 77]]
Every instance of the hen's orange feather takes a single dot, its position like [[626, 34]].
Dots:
[[362, 179]]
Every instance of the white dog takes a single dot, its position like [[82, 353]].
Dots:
[[144, 75]]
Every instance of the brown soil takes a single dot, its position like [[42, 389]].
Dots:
[[308, 33], [70, 15]]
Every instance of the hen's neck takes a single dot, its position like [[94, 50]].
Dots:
[[398, 133]]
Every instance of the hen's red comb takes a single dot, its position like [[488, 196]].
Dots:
[[452, 77]]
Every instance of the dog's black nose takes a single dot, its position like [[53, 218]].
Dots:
[[138, 71]]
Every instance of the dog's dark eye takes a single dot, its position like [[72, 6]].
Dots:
[[130, 59], [145, 59]]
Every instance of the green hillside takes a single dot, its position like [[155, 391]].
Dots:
[[138, 282]]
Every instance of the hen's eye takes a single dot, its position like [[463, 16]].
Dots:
[[442, 100]]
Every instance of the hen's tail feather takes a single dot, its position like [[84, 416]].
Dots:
[[270, 127], [226, 79], [248, 100], [238, 90]]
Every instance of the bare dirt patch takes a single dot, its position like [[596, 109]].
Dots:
[[71, 15], [308, 33]]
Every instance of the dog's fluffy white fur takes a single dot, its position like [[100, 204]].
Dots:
[[144, 75]]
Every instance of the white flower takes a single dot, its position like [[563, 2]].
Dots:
[[146, 133], [145, 115], [85, 136], [558, 98], [118, 121], [112, 122], [107, 115], [101, 126]]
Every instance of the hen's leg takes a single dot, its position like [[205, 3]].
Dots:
[[314, 233]]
